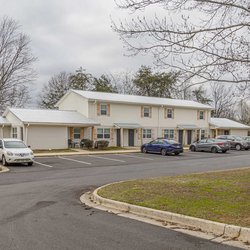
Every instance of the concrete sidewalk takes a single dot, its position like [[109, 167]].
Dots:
[[88, 152]]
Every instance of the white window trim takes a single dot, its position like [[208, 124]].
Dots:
[[14, 134], [172, 113], [169, 133], [147, 134], [106, 109], [103, 133], [146, 107], [204, 114], [77, 134]]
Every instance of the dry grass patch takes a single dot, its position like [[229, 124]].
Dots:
[[219, 196]]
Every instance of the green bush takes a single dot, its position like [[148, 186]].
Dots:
[[87, 143], [101, 144]]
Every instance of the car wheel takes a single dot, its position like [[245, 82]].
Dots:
[[192, 148], [238, 147], [144, 150], [30, 163], [246, 148], [214, 150], [176, 153], [224, 151], [164, 151], [5, 163]]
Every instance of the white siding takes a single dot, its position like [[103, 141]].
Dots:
[[239, 132], [75, 102], [47, 137]]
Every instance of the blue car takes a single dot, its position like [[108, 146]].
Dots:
[[162, 146]]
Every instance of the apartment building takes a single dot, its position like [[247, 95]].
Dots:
[[129, 120]]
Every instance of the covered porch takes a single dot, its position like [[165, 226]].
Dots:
[[128, 134], [188, 133]]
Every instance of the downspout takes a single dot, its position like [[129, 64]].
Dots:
[[26, 134]]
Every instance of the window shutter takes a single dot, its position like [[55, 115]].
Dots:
[[82, 133], [152, 133], [175, 134], [94, 134], [163, 133], [72, 133], [112, 134], [98, 109], [142, 111], [139, 133], [198, 115], [173, 115], [150, 111], [165, 113], [108, 109]]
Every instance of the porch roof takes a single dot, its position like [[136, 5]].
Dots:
[[51, 117], [224, 123], [187, 126], [128, 125]]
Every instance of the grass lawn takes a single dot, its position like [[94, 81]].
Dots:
[[54, 150], [218, 196]]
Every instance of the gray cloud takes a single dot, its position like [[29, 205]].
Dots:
[[68, 34]]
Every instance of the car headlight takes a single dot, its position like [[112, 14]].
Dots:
[[31, 153], [9, 153]]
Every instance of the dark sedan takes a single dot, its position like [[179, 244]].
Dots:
[[210, 145], [162, 146]]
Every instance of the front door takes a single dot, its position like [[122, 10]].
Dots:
[[118, 137], [181, 137], [189, 137], [131, 135]]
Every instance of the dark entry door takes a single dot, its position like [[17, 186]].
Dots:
[[118, 137], [131, 138], [180, 137], [189, 136]]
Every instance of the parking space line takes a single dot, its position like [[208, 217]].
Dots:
[[138, 157], [69, 159], [104, 158], [42, 164]]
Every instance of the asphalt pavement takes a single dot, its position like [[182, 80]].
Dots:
[[40, 207]]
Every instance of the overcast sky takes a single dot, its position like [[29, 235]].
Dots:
[[72, 33]]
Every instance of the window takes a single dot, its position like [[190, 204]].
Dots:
[[168, 133], [147, 133], [170, 113], [104, 109], [248, 133], [77, 133], [146, 111], [14, 132], [202, 132], [201, 115], [103, 133]]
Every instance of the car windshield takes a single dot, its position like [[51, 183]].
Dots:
[[14, 144], [172, 142]]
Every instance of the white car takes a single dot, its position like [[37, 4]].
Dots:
[[15, 151]]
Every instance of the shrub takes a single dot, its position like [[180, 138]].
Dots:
[[87, 143], [101, 144]]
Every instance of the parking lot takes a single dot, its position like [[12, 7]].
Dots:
[[118, 160]]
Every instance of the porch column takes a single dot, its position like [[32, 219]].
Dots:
[[199, 134], [121, 135], [184, 137], [216, 132]]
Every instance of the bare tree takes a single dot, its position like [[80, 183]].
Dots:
[[52, 92], [206, 40], [224, 100], [244, 112], [16, 62]]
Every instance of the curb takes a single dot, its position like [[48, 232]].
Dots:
[[3, 169], [91, 153], [87, 153], [207, 226]]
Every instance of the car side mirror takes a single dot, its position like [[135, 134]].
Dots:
[[29, 146]]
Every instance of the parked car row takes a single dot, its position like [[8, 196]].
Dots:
[[221, 143]]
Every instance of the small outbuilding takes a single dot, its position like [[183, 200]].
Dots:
[[47, 129], [223, 126]]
